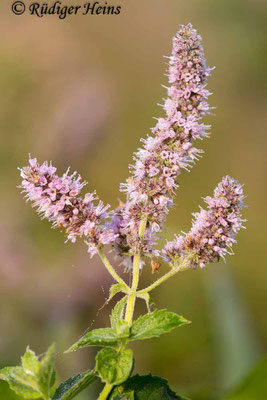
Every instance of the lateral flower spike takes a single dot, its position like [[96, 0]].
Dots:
[[58, 200], [213, 230]]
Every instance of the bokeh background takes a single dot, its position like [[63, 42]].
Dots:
[[82, 92]]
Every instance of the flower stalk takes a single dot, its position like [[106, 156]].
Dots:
[[133, 228], [161, 280], [110, 269]]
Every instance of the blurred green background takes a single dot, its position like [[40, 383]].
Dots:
[[82, 92]]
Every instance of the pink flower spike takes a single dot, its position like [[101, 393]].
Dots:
[[57, 199], [212, 234], [170, 150]]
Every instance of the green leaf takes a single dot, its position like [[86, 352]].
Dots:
[[30, 362], [47, 373], [71, 387], [97, 337], [118, 312], [146, 297], [254, 385], [154, 324], [124, 396], [23, 383], [114, 367], [114, 289], [34, 378], [148, 326], [122, 329], [5, 373], [143, 388]]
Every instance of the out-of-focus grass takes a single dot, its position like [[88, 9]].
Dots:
[[235, 345], [254, 386]]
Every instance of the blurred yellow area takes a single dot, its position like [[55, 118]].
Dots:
[[82, 92]]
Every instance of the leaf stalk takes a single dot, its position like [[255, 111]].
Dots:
[[105, 392]]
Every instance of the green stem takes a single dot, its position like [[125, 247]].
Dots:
[[136, 270], [162, 279], [110, 269], [132, 296], [142, 226], [105, 392], [132, 292], [107, 388]]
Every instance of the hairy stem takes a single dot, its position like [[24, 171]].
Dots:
[[136, 270], [173, 271], [142, 227], [159, 281], [110, 269], [105, 392], [132, 296]]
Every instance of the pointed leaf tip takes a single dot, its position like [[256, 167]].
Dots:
[[118, 312], [97, 337], [156, 323]]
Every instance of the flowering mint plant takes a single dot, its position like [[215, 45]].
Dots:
[[132, 230]]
